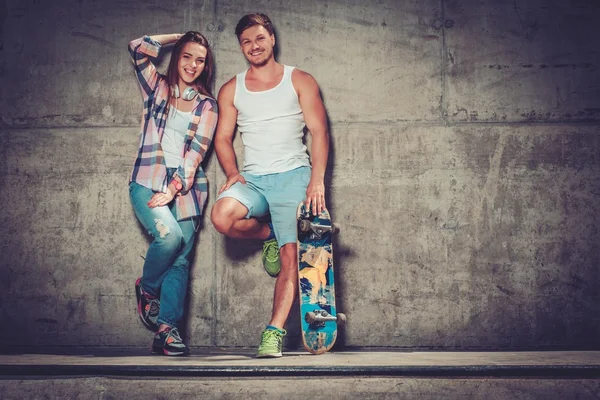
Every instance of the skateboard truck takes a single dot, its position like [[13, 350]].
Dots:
[[317, 318], [317, 230]]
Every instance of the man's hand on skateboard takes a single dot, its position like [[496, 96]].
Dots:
[[315, 197]]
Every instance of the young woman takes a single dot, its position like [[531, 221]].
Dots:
[[168, 187]]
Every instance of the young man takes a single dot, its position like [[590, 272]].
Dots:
[[271, 104]]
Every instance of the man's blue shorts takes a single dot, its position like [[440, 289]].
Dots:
[[278, 194]]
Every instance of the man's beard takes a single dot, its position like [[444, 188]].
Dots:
[[262, 62]]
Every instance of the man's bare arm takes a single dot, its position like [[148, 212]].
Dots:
[[224, 136], [315, 118]]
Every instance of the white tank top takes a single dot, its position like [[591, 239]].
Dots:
[[174, 136], [272, 126]]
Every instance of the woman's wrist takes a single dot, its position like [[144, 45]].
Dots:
[[166, 38], [172, 190], [176, 184]]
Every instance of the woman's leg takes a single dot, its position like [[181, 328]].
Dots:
[[173, 293], [175, 283], [168, 238]]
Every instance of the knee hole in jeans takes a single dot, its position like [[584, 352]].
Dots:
[[162, 228]]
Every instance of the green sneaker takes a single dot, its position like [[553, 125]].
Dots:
[[270, 343], [270, 257]]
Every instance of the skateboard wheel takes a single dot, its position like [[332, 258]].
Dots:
[[310, 317], [335, 228], [341, 319], [304, 225]]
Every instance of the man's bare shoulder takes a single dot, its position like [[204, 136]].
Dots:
[[302, 80], [227, 91]]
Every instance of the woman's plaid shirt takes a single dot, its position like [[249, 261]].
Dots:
[[150, 169]]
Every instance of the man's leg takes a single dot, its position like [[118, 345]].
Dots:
[[286, 287], [284, 194], [228, 215], [234, 215]]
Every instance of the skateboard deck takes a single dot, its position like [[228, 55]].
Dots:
[[318, 314]]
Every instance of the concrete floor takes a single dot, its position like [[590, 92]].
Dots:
[[244, 360], [237, 374]]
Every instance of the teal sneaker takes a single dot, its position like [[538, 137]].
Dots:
[[271, 343], [270, 257]]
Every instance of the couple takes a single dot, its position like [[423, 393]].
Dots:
[[271, 104]]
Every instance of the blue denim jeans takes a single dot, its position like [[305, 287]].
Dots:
[[166, 268]]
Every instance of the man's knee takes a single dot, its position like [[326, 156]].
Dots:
[[224, 214], [219, 218]]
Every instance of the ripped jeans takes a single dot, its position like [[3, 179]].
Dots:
[[166, 268]]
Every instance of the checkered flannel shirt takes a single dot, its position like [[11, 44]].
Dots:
[[149, 169]]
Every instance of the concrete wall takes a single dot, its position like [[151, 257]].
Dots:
[[464, 167]]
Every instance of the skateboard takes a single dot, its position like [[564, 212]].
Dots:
[[318, 315]]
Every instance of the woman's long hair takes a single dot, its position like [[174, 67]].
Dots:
[[204, 82]]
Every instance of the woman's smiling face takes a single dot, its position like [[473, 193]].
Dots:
[[191, 63]]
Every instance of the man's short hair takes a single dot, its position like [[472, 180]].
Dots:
[[250, 20]]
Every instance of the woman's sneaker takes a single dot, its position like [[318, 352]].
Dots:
[[148, 307], [169, 343]]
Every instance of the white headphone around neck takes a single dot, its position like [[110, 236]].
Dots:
[[188, 94]]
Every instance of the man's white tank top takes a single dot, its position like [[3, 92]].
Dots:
[[272, 126]]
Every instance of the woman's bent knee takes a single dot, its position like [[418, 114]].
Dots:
[[168, 235]]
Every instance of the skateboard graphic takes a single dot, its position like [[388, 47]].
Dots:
[[318, 315]]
